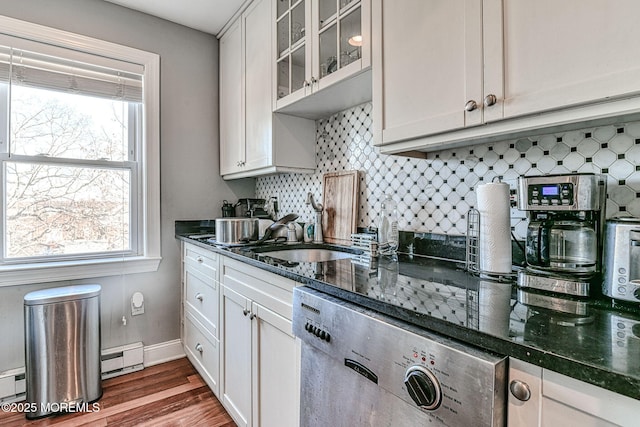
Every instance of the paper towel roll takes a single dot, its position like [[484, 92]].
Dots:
[[495, 227]]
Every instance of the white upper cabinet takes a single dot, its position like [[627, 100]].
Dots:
[[232, 149], [253, 140], [322, 56], [454, 72], [430, 60], [562, 54]]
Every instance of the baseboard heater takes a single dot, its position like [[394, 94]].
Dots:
[[122, 360], [115, 361], [13, 385]]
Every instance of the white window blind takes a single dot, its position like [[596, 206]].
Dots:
[[66, 70]]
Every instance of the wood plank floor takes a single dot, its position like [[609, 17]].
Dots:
[[169, 394]]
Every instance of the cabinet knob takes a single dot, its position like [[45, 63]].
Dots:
[[199, 348], [253, 316], [305, 83], [245, 311], [314, 80], [199, 297], [490, 100], [200, 260], [520, 390], [471, 105]]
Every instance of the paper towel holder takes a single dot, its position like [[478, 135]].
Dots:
[[472, 262]]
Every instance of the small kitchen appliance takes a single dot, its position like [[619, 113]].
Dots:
[[564, 237], [253, 208], [621, 264], [228, 210]]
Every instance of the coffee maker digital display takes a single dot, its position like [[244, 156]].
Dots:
[[550, 190], [564, 236]]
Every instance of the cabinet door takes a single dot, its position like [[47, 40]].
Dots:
[[276, 370], [427, 66], [236, 359], [292, 50], [257, 65], [231, 108], [554, 413], [341, 40], [567, 53]]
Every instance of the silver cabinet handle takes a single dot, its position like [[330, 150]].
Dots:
[[471, 105], [490, 100], [200, 259], [520, 390], [245, 312], [305, 83], [199, 348], [199, 297], [253, 316], [314, 80]]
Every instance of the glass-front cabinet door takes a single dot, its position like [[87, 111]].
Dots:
[[339, 24], [319, 42], [293, 74]]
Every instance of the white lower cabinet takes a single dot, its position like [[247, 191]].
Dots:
[[201, 307], [260, 370], [558, 400]]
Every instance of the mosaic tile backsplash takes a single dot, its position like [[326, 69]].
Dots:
[[434, 194]]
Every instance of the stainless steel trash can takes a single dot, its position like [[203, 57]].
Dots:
[[62, 349]]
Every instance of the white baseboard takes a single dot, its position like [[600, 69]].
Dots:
[[163, 352]]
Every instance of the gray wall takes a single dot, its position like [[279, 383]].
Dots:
[[191, 187]]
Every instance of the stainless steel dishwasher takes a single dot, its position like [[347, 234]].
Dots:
[[361, 368]]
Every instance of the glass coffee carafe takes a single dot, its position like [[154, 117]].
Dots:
[[573, 246]]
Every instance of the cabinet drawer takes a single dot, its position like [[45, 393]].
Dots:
[[267, 289], [201, 296], [203, 351], [201, 259]]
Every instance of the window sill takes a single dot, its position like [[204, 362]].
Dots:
[[26, 274]]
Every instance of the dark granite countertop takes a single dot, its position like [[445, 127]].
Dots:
[[593, 341]]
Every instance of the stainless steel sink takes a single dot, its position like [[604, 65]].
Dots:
[[307, 254]]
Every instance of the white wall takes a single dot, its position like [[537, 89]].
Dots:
[[191, 187]]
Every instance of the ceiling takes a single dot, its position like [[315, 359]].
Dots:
[[204, 15]]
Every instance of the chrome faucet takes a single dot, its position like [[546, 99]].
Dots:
[[317, 229]]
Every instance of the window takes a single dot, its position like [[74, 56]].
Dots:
[[78, 156]]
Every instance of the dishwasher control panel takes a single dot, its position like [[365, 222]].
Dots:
[[449, 382]]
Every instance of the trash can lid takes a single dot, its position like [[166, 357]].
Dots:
[[66, 293]]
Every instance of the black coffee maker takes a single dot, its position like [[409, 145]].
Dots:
[[564, 237]]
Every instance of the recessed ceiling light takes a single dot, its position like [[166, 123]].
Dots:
[[355, 40]]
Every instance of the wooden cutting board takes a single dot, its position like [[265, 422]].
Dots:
[[340, 202]]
